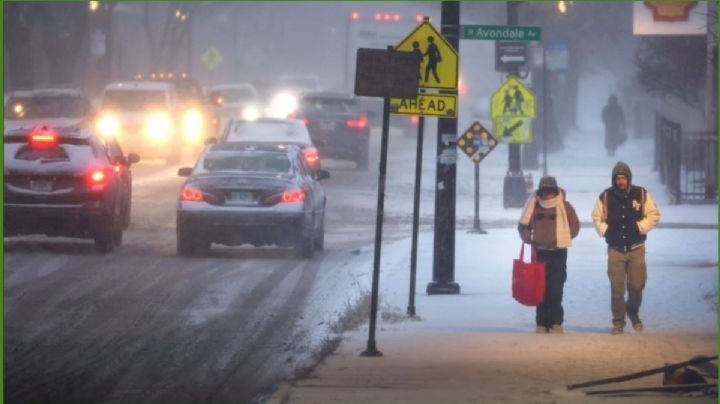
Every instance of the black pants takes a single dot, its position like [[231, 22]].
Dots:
[[550, 311]]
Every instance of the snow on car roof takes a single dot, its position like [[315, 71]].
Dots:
[[139, 85], [71, 131], [275, 130], [46, 92]]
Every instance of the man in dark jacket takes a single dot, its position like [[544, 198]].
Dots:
[[623, 215], [549, 223], [614, 120]]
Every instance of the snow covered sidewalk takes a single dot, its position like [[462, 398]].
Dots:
[[479, 346]]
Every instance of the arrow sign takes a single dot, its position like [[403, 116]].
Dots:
[[507, 58], [509, 55]]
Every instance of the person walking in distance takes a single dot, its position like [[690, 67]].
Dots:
[[433, 54], [623, 215], [549, 223], [614, 120]]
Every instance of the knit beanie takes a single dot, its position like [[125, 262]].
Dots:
[[548, 184], [621, 168]]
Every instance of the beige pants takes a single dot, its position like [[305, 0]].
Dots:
[[626, 270]]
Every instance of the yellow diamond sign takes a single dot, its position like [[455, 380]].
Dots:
[[212, 57], [439, 65], [512, 108]]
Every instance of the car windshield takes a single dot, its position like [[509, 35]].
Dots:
[[44, 107], [188, 90], [134, 100], [238, 94], [275, 132], [70, 154], [327, 105], [273, 163]]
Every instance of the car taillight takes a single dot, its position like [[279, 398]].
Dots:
[[97, 178], [295, 195], [290, 196], [415, 119], [311, 156], [358, 123], [294, 115], [189, 193]]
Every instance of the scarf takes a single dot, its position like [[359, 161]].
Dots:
[[563, 226]]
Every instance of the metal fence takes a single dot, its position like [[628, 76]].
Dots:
[[686, 162]]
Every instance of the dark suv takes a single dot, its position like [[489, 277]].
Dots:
[[337, 126], [66, 182]]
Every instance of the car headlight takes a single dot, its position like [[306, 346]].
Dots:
[[192, 125], [250, 113], [158, 126], [108, 125], [282, 105]]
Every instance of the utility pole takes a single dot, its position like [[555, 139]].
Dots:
[[514, 192], [446, 168]]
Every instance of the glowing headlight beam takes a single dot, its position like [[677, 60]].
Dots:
[[192, 122], [282, 105], [108, 126]]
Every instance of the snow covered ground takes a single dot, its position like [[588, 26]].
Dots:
[[483, 324]]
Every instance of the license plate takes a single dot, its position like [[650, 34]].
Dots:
[[241, 197], [41, 185], [327, 125]]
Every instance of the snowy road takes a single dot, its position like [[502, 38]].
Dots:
[[144, 325]]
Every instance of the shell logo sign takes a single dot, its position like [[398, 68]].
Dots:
[[670, 11]]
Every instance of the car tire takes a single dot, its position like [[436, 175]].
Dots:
[[126, 215], [306, 242], [185, 243], [320, 237], [105, 236]]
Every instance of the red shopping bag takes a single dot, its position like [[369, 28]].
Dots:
[[528, 281]]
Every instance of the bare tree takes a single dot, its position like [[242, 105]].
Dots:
[[19, 22]]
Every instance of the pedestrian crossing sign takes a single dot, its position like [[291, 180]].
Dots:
[[439, 64], [512, 108]]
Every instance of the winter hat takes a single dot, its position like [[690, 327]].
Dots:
[[547, 184], [621, 168]]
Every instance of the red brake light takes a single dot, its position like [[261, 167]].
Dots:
[[414, 119], [189, 193], [311, 155], [295, 195], [43, 138], [359, 123], [97, 178]]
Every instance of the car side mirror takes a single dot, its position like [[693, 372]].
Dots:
[[210, 140], [133, 158], [185, 171], [322, 174]]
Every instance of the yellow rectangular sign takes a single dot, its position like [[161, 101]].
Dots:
[[438, 105]]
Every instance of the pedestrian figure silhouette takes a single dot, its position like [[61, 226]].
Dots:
[[433, 54], [519, 100], [416, 51], [507, 107]]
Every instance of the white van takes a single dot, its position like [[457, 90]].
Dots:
[[144, 116]]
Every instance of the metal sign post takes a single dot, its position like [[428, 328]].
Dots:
[[477, 142], [387, 74], [416, 217]]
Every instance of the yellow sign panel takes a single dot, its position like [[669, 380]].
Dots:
[[212, 57], [512, 107], [439, 64], [513, 129], [442, 106]]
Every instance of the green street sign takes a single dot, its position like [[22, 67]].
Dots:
[[501, 32]]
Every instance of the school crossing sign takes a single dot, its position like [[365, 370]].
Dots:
[[439, 68], [512, 109]]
